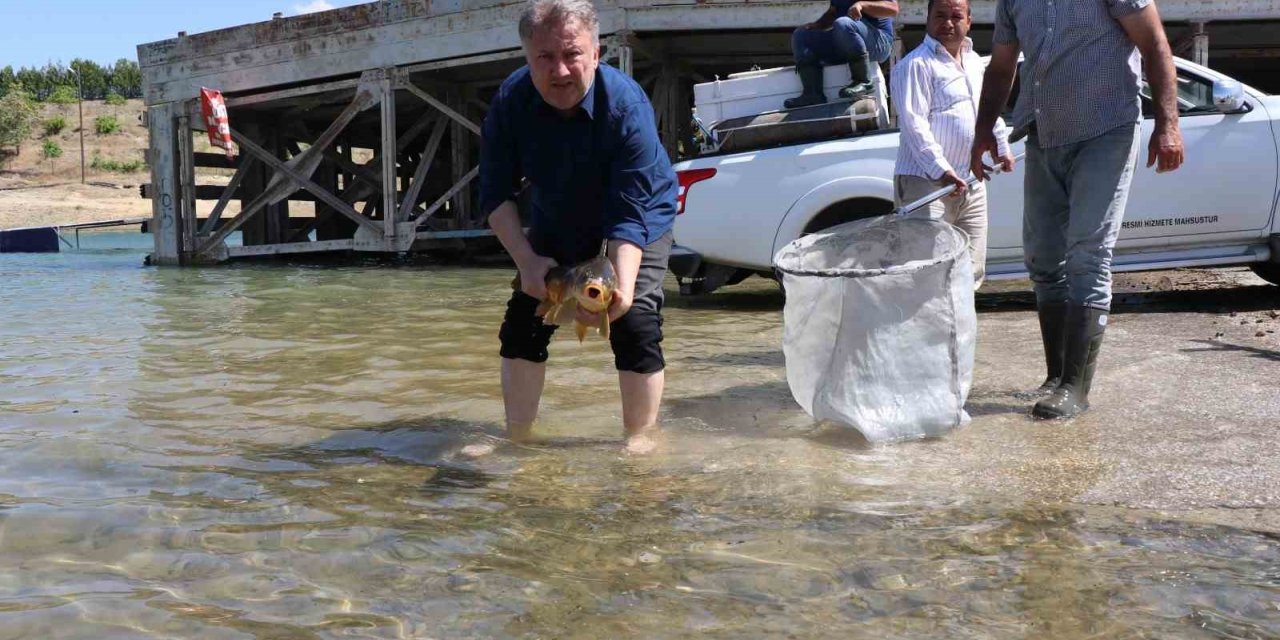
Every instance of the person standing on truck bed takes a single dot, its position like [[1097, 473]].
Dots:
[[935, 91], [1080, 104], [583, 135], [859, 34]]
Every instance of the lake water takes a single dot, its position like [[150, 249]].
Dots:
[[272, 451]]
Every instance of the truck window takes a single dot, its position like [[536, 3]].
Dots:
[[1195, 95]]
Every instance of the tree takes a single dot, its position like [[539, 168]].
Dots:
[[33, 83], [17, 118], [126, 78], [51, 151], [94, 78], [7, 80]]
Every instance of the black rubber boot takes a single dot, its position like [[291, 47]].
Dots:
[[1053, 318], [1083, 340], [811, 81], [860, 73]]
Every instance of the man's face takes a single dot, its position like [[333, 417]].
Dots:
[[949, 21], [562, 58]]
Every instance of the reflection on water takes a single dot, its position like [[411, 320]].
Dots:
[[272, 452]]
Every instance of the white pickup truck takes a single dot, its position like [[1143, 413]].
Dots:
[[738, 209]]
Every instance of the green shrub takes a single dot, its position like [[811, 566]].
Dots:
[[114, 99], [106, 125], [54, 126], [51, 151], [64, 94], [117, 166]]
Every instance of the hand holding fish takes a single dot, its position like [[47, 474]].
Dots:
[[591, 286], [533, 276]]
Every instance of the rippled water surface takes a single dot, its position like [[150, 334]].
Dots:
[[273, 452]]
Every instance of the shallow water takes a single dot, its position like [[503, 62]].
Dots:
[[272, 452]]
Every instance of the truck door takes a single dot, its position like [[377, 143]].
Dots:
[[1226, 188]]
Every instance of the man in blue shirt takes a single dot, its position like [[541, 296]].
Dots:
[[583, 136], [859, 34]]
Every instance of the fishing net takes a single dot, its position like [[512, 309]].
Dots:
[[880, 325]]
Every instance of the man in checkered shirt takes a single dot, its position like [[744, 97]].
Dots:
[[1080, 104]]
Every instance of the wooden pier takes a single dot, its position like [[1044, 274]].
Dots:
[[373, 112]]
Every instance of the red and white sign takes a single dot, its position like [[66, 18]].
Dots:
[[214, 109]]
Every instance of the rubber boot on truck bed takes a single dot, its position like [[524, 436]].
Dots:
[[811, 81]]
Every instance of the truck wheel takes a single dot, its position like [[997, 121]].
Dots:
[[1269, 271]]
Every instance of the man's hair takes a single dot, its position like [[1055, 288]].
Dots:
[[539, 13], [968, 7]]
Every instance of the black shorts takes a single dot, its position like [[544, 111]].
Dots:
[[636, 337]]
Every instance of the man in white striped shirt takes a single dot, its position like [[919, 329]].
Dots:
[[935, 92]]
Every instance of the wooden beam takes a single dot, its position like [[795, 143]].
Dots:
[[162, 155], [187, 168], [290, 247], [304, 165], [444, 108], [424, 165], [214, 192], [389, 156], [271, 161], [445, 198], [228, 193], [306, 183]]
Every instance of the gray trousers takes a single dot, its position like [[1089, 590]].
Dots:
[[1074, 199], [967, 212]]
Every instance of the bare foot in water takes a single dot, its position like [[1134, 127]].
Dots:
[[642, 443]]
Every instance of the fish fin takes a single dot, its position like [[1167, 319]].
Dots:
[[554, 313], [581, 330], [604, 324]]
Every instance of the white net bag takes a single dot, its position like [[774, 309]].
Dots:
[[880, 325]]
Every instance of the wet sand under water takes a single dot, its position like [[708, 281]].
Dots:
[[273, 451]]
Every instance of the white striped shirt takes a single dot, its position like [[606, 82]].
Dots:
[[936, 98]]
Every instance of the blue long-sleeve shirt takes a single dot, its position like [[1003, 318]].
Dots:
[[600, 174]]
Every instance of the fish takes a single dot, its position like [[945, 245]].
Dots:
[[590, 285]]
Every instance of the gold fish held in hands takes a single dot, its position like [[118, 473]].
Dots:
[[590, 285]]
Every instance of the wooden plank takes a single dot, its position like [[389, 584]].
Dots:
[[289, 248], [162, 156]]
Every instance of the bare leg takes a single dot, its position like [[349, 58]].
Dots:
[[641, 396], [522, 383]]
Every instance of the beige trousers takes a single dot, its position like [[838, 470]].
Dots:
[[967, 212]]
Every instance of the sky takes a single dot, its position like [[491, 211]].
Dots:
[[36, 32]]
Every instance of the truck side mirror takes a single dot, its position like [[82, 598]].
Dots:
[[1228, 96]]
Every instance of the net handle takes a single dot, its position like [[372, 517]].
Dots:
[[911, 207]]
